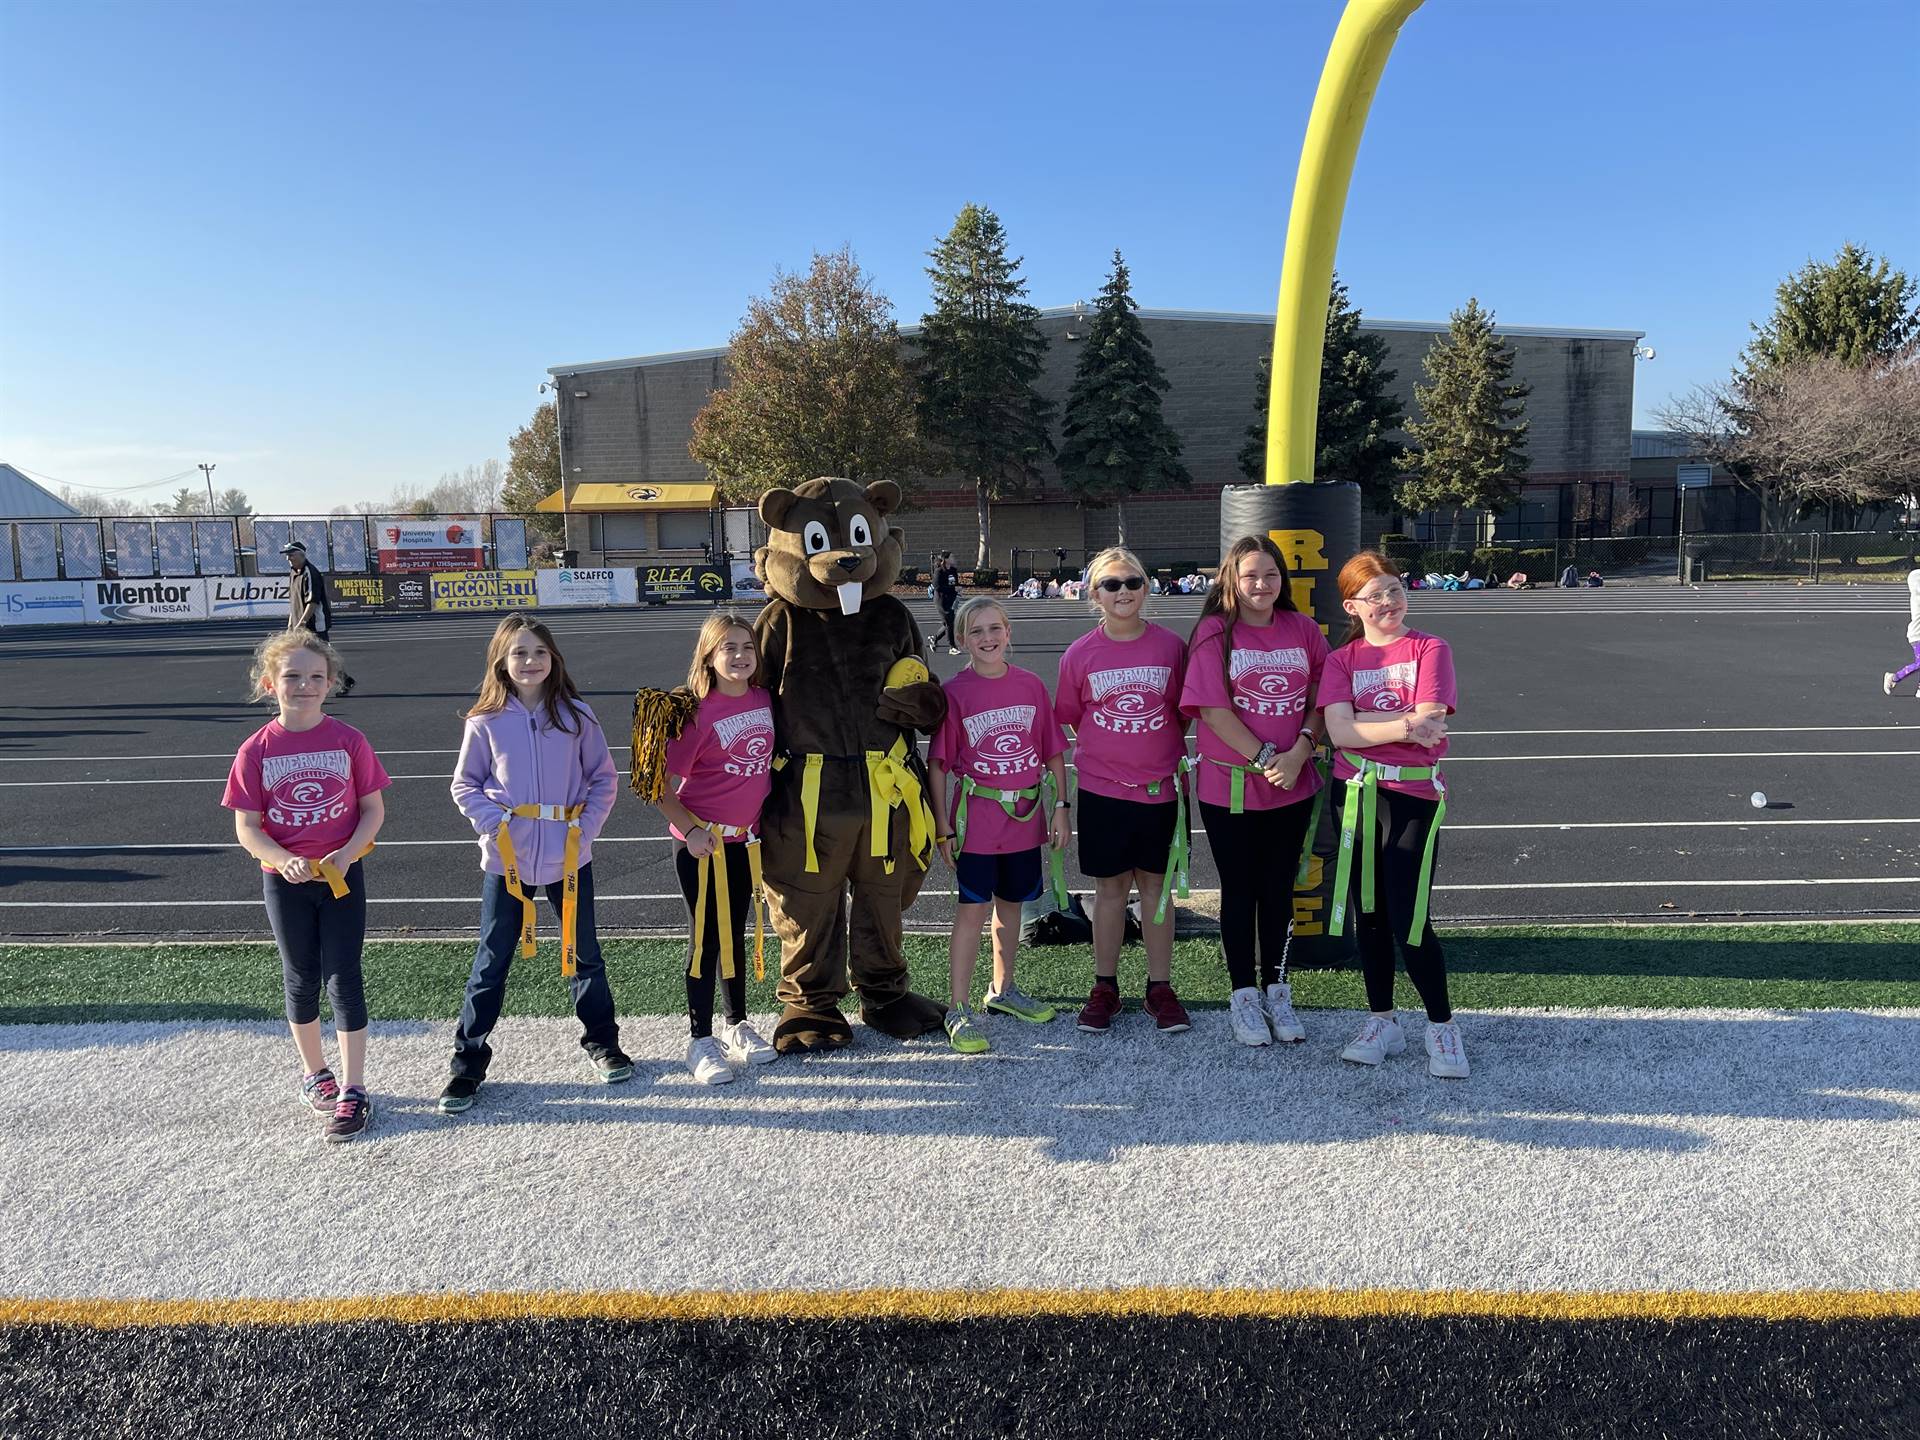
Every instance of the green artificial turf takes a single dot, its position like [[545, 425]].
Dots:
[[1805, 966]]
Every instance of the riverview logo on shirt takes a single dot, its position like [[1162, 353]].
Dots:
[[1130, 701], [747, 739], [1004, 739], [1391, 687], [1270, 682], [306, 789]]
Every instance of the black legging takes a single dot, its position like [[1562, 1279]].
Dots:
[[1257, 853], [946, 621], [1404, 823], [739, 897], [320, 940]]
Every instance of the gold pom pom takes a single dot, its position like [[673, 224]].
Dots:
[[658, 718]]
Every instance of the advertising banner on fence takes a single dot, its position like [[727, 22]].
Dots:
[[352, 593], [46, 602], [254, 597], [660, 584], [484, 590], [139, 601], [413, 546], [587, 587], [745, 582], [405, 592]]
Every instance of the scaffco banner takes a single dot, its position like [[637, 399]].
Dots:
[[484, 590], [136, 601], [410, 546], [253, 597], [587, 587], [51, 602]]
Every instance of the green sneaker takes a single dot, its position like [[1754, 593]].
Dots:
[[1013, 1001], [965, 1036]]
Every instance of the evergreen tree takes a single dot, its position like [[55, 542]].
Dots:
[[1116, 442], [1469, 448], [979, 352], [1852, 310], [816, 386], [533, 473], [1358, 411]]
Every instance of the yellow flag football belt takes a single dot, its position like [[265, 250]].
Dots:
[[569, 879], [890, 782], [715, 861], [334, 875]]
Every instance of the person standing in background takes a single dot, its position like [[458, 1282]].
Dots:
[[309, 603]]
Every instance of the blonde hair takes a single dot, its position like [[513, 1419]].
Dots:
[[1108, 559], [963, 617], [270, 652], [713, 634], [559, 695]]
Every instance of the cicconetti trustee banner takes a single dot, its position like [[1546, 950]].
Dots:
[[410, 546], [484, 590], [139, 601], [587, 587]]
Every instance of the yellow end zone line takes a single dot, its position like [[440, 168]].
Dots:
[[1005, 1304]]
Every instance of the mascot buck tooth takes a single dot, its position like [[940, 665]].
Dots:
[[847, 831]]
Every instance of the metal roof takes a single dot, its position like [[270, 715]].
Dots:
[[24, 499]]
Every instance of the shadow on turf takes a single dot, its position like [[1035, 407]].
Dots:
[[1834, 960], [1578, 1083]]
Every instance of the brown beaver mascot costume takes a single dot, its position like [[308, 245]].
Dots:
[[847, 830]]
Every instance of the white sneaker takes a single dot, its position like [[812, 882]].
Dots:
[[1281, 1020], [1886, 683], [1379, 1037], [744, 1045], [707, 1064], [1247, 1017], [1446, 1055]]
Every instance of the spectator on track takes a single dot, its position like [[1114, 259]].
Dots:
[[1387, 694], [305, 792], [309, 602], [1894, 677], [946, 594]]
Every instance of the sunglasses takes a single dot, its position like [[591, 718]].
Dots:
[[1114, 587]]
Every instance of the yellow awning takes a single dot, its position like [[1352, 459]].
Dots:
[[599, 499]]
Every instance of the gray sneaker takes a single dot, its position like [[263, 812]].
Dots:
[[1013, 1001]]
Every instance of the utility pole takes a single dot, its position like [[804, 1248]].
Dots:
[[208, 470]]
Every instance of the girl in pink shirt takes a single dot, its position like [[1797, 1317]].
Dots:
[[1387, 694], [719, 771], [998, 739], [305, 792], [1119, 693], [1252, 666]]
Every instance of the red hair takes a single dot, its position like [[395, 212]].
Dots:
[[1361, 571]]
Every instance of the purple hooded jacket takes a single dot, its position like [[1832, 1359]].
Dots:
[[512, 757]]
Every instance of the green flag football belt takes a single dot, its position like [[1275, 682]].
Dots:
[[1237, 805], [1177, 853], [1361, 811], [1041, 796]]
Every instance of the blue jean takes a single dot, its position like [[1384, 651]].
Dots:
[[487, 985]]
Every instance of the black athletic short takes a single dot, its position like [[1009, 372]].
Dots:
[[1017, 877], [1118, 837]]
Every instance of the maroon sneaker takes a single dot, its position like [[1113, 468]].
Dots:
[[1169, 1015], [320, 1092], [1102, 1005]]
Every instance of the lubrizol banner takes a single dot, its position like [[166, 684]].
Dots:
[[250, 597], [484, 590], [587, 587]]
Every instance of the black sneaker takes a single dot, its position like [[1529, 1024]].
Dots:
[[611, 1065], [351, 1116], [346, 685], [458, 1095]]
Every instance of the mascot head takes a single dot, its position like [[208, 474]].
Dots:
[[829, 545]]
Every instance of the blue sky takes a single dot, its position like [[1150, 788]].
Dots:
[[333, 248]]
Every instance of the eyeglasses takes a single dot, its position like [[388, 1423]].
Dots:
[[1114, 587], [1382, 597]]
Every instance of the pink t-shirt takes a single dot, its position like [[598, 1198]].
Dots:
[[1122, 698], [1002, 733], [306, 785], [1414, 670], [725, 755], [1275, 669]]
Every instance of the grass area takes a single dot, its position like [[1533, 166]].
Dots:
[[1806, 966]]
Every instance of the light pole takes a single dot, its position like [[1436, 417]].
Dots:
[[208, 470]]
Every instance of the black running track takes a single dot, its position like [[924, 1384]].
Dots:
[[1606, 747]]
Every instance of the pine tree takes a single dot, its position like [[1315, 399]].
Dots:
[[1469, 448], [979, 352], [1116, 443], [1851, 310], [533, 473], [1358, 411]]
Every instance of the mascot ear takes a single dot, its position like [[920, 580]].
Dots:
[[883, 495], [774, 506]]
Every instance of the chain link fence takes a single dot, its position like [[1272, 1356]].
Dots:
[[1810, 557]]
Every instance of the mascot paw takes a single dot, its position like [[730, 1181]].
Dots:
[[906, 1017], [802, 1030], [919, 706]]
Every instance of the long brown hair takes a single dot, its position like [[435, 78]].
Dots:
[[713, 634], [1224, 598], [560, 695], [1361, 571]]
